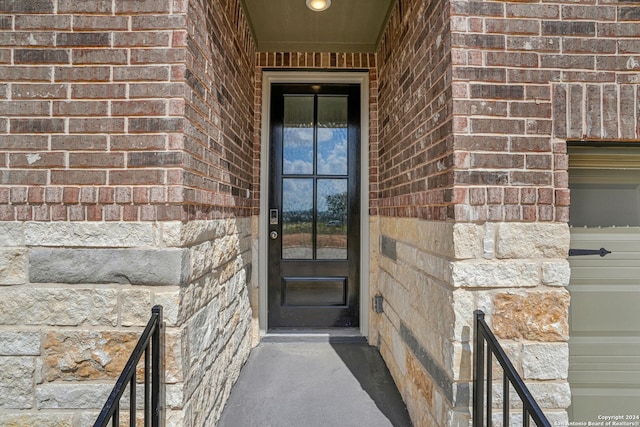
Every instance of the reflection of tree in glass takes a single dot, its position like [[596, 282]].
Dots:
[[337, 206]]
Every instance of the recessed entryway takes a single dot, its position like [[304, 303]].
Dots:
[[314, 222]]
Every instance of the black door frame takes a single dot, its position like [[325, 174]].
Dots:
[[261, 276]]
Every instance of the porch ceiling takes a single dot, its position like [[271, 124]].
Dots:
[[289, 26]]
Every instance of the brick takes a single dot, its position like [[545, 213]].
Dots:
[[629, 13], [142, 39], [512, 26], [16, 73], [23, 177], [585, 62], [149, 125], [535, 44], [79, 142], [480, 107], [629, 46], [588, 12], [70, 195], [480, 73], [139, 108], [158, 56], [138, 142], [18, 195], [485, 91], [36, 160], [24, 108], [141, 6], [38, 91], [569, 28], [42, 22], [36, 125], [575, 45], [5, 58], [99, 125], [512, 59], [98, 91], [481, 177], [6, 22], [78, 177], [100, 23], [99, 56], [618, 29], [477, 8], [530, 109], [96, 160], [496, 161], [41, 56], [533, 10], [530, 178], [499, 126], [26, 6], [35, 195], [28, 39], [149, 159], [158, 22], [618, 63], [151, 90], [80, 108], [141, 73], [77, 39], [80, 74], [530, 144], [137, 177], [94, 6], [533, 76], [23, 142], [485, 41], [539, 162]]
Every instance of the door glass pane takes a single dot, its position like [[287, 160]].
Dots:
[[297, 146], [332, 219], [332, 135], [297, 218]]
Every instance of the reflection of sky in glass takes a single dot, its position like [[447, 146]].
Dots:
[[297, 195], [298, 151], [332, 151]]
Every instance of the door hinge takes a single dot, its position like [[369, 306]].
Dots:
[[579, 252]]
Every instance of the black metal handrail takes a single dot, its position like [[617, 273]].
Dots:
[[151, 345], [530, 409]]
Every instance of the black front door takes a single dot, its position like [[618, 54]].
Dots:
[[314, 206]]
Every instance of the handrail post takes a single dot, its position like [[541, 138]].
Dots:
[[478, 370], [157, 370]]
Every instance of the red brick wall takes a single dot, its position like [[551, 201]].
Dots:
[[319, 61], [219, 109], [528, 77], [97, 123], [415, 112]]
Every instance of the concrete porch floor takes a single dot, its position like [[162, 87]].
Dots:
[[293, 380]]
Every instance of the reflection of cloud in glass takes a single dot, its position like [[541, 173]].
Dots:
[[332, 151], [297, 195], [298, 150]]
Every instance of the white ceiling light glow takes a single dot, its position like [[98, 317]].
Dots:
[[318, 5]]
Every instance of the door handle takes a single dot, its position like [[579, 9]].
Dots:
[[273, 235]]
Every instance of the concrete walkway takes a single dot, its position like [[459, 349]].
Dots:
[[314, 381]]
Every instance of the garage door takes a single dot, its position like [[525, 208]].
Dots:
[[604, 348]]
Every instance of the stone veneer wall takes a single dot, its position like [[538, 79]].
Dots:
[[125, 146]]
